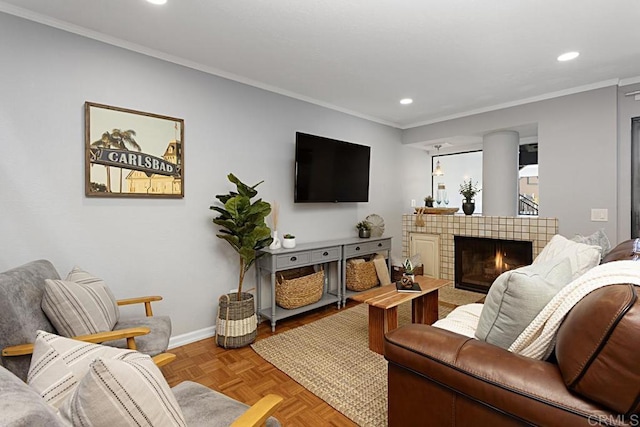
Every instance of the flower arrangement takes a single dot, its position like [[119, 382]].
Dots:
[[428, 201], [363, 225], [468, 190], [408, 267]]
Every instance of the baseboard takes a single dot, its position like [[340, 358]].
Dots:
[[190, 337]]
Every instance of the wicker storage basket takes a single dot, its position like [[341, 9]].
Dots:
[[397, 272], [300, 291], [237, 322], [361, 275]]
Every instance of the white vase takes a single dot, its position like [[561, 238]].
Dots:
[[276, 242], [288, 243]]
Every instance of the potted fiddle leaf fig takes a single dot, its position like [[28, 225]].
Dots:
[[242, 225]]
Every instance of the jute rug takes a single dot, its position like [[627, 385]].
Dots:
[[331, 358]]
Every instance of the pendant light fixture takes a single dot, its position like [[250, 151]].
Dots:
[[438, 170]]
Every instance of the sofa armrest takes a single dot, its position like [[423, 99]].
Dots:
[[141, 300], [527, 389]]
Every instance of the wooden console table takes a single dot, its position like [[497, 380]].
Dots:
[[314, 253]]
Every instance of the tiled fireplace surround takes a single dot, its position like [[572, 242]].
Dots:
[[536, 230]]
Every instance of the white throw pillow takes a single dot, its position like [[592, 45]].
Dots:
[[129, 392], [59, 363], [582, 257], [80, 305], [517, 296]]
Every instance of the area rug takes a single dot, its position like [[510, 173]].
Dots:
[[331, 358]]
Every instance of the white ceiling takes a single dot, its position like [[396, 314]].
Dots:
[[453, 57]]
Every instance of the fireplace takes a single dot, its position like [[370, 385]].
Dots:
[[479, 261]]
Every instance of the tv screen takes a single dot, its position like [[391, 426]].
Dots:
[[328, 170]]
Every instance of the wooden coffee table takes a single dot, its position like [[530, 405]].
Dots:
[[383, 304]]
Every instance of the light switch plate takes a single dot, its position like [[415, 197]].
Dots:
[[600, 215]]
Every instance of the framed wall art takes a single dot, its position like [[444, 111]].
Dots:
[[130, 153]]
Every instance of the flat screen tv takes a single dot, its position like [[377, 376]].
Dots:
[[328, 170]]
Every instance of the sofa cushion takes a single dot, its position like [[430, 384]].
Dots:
[[599, 238], [582, 257], [80, 305], [462, 320], [129, 392], [627, 250], [22, 406], [59, 363], [596, 348], [517, 296], [155, 342]]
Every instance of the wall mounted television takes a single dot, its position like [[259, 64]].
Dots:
[[330, 171]]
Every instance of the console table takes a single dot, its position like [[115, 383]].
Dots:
[[314, 253]]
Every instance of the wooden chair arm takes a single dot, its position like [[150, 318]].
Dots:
[[128, 334], [139, 300], [258, 413], [163, 359]]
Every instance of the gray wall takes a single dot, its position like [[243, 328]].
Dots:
[[161, 246], [578, 154]]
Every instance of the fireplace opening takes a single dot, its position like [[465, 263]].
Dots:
[[479, 261]]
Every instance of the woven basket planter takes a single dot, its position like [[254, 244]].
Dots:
[[299, 291], [361, 276], [237, 323]]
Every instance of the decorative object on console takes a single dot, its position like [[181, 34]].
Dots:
[[244, 228], [406, 284], [364, 229], [428, 201], [275, 211], [469, 190], [377, 225], [288, 241]]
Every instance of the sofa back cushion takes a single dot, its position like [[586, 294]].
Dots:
[[627, 250], [596, 348], [21, 316]]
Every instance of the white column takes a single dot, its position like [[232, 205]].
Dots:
[[500, 173]]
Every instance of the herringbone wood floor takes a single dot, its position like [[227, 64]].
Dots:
[[245, 376]]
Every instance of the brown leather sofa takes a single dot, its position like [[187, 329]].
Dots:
[[440, 378]]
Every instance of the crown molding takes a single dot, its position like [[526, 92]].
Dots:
[[550, 95], [114, 41]]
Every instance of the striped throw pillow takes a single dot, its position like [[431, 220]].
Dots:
[[129, 392], [80, 305], [58, 364]]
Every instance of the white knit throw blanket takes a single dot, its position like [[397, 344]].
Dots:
[[538, 339]]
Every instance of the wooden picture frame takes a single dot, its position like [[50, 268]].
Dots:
[[131, 153]]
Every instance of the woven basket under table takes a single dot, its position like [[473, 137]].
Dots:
[[361, 276], [299, 291]]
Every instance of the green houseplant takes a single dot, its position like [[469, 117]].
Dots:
[[469, 190], [243, 226], [364, 229]]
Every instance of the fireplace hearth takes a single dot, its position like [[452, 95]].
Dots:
[[479, 261]]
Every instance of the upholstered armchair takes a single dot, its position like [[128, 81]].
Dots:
[[26, 292], [79, 383]]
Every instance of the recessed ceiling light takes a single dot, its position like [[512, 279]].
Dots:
[[568, 56], [157, 1], [406, 101]]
